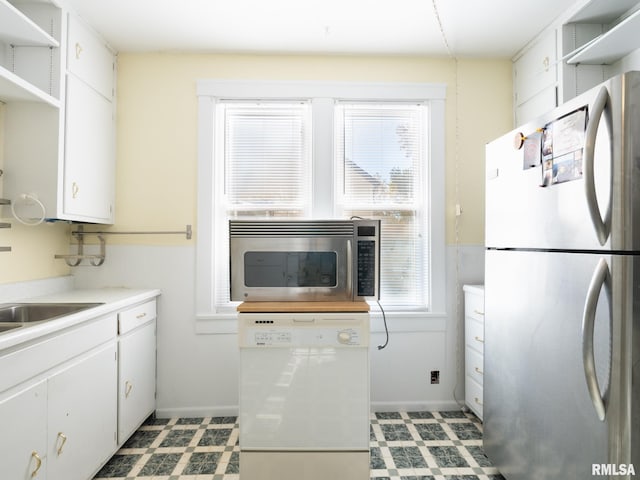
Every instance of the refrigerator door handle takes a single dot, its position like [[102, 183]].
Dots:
[[601, 278], [601, 107]]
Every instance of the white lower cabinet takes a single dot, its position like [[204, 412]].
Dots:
[[82, 416], [474, 347], [69, 400], [136, 368], [23, 443]]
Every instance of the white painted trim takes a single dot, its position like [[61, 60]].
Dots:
[[232, 410], [321, 93], [240, 89]]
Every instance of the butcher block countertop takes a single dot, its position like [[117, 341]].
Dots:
[[299, 307]]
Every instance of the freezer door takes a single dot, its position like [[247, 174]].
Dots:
[[540, 421], [573, 182]]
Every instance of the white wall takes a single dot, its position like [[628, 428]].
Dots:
[[197, 374]]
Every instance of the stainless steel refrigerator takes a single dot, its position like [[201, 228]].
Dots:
[[562, 290]]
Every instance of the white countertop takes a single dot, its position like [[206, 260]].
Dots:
[[113, 299], [478, 289]]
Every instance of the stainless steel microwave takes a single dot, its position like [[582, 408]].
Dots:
[[304, 260]]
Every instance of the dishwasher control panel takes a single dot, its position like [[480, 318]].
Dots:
[[308, 330]]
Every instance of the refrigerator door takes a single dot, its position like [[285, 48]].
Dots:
[[540, 419], [574, 182]]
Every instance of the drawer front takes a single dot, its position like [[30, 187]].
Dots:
[[89, 58], [474, 396], [136, 316], [20, 365], [474, 306], [474, 362], [474, 334]]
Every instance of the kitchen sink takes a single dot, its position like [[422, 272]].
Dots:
[[15, 315]]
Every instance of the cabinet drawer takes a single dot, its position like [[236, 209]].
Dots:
[[474, 334], [474, 362], [136, 316], [89, 58], [20, 365], [474, 306], [474, 396]]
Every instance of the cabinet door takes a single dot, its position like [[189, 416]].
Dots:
[[82, 416], [89, 58], [89, 169], [536, 70], [23, 439], [136, 378]]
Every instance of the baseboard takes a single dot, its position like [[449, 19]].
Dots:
[[232, 410], [416, 406], [193, 412]]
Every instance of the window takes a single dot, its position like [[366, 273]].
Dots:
[[380, 164], [327, 150], [264, 150]]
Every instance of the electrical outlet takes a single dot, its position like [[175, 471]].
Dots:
[[435, 377]]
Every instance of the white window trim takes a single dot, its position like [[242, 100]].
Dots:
[[323, 94]]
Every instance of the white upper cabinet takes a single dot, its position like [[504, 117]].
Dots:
[[89, 59], [59, 130], [535, 78], [584, 47], [620, 23], [28, 53]]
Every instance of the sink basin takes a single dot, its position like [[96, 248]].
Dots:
[[14, 315]]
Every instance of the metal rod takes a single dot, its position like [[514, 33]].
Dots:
[[188, 232], [5, 249]]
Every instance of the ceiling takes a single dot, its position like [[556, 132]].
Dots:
[[487, 28]]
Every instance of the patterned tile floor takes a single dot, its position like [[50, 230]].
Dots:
[[404, 446]]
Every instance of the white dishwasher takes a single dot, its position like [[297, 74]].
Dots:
[[304, 396]]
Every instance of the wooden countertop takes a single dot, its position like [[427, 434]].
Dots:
[[300, 307]]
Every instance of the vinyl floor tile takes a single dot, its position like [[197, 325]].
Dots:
[[403, 446]]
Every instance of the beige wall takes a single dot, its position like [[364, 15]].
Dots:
[[157, 138], [157, 125]]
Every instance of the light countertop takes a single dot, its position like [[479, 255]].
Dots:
[[112, 299]]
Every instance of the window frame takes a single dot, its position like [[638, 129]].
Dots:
[[323, 96]]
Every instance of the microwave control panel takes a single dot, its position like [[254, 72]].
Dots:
[[366, 268]]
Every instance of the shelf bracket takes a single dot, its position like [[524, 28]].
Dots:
[[75, 259]]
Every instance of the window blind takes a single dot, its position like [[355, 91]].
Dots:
[[380, 166], [265, 154]]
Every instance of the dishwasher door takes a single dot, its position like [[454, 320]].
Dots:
[[304, 382]]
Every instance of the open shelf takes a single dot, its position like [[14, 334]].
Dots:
[[15, 89], [612, 45], [17, 29]]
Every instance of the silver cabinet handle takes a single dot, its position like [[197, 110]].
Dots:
[[128, 386], [479, 371], [599, 109], [601, 278]]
